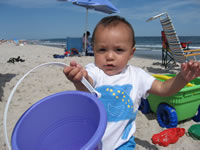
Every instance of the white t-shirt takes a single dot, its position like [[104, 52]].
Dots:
[[121, 95]]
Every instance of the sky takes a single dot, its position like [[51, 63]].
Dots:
[[44, 19]]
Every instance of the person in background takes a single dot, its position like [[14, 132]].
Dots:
[[85, 42], [120, 85]]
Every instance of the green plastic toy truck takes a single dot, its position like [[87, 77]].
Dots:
[[181, 106]]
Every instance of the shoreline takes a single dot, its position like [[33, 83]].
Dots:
[[147, 54], [49, 80]]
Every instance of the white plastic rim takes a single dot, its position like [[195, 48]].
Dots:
[[84, 81], [157, 16]]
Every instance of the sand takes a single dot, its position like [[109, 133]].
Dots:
[[49, 80]]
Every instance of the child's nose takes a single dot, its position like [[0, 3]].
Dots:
[[110, 55]]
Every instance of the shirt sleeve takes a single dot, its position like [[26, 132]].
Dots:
[[146, 83]]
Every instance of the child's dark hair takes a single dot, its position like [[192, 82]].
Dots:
[[113, 21]]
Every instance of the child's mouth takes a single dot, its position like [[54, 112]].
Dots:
[[109, 66]]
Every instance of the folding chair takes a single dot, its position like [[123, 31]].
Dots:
[[167, 55], [177, 52], [166, 52]]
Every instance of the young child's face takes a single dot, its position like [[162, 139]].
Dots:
[[113, 48]]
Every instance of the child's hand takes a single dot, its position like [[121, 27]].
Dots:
[[190, 70], [75, 72]]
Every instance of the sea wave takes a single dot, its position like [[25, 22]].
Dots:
[[148, 47], [142, 43]]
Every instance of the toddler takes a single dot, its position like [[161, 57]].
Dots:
[[121, 85]]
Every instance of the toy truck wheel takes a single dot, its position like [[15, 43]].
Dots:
[[144, 106], [166, 116], [197, 116]]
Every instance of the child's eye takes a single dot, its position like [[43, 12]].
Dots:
[[119, 50], [101, 50]]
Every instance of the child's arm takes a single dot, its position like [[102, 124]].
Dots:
[[74, 73], [189, 71]]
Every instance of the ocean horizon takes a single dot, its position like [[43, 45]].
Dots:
[[146, 43], [146, 46]]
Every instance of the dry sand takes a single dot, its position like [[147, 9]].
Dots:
[[48, 80]]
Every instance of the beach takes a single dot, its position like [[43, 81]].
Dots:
[[49, 80]]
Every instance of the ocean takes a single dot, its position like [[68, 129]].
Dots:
[[145, 46], [142, 43]]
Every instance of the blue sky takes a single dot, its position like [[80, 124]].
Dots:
[[39, 19]]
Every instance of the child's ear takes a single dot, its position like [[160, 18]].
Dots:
[[132, 52]]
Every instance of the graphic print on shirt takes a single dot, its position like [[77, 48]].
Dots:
[[117, 101]]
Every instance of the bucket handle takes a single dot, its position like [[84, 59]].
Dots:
[[83, 80]]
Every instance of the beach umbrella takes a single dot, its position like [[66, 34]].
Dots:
[[104, 6]]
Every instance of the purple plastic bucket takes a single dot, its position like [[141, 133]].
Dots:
[[70, 120]]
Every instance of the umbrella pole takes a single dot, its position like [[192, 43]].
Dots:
[[85, 46]]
